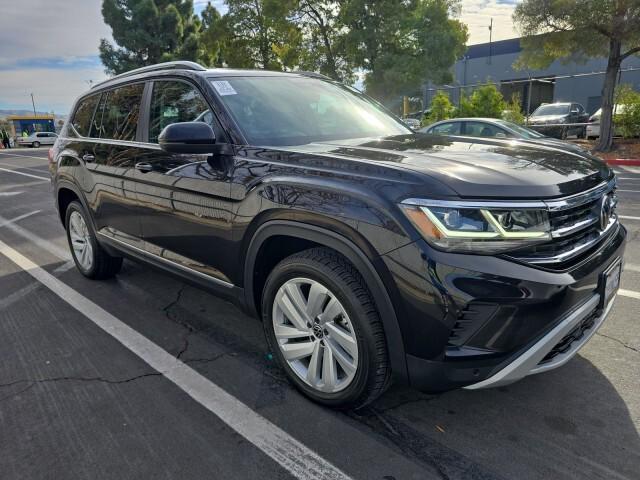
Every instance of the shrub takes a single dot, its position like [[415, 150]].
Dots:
[[627, 118], [513, 112], [441, 108], [485, 101]]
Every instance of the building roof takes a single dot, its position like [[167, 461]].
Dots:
[[501, 47], [40, 116]]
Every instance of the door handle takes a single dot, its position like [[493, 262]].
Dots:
[[88, 158], [144, 167]]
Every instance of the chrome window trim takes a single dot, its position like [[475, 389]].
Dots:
[[126, 143]]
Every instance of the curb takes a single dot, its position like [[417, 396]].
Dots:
[[631, 162]]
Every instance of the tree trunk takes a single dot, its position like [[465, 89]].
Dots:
[[608, 91]]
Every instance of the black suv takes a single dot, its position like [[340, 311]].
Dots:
[[560, 119], [366, 249]]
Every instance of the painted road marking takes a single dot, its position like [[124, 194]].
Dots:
[[627, 217], [25, 174], [632, 267], [629, 293], [22, 185], [622, 190], [9, 194], [291, 454], [45, 245], [22, 167], [44, 157]]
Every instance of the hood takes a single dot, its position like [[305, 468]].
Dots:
[[547, 118], [477, 168]]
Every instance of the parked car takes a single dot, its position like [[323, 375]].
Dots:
[[496, 128], [413, 123], [38, 138], [593, 128], [367, 250], [549, 117]]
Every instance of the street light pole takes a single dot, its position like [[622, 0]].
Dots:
[[34, 106]]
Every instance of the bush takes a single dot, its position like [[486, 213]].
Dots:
[[627, 118], [513, 112], [441, 109], [485, 101]]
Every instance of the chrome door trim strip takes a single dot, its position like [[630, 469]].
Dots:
[[168, 262]]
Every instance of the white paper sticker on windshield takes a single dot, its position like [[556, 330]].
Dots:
[[224, 88]]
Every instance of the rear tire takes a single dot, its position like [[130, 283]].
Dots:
[[336, 327], [90, 258]]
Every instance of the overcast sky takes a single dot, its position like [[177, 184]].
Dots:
[[50, 47]]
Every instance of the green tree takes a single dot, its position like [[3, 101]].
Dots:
[[441, 108], [148, 32], [260, 34], [401, 44], [485, 101], [579, 29], [213, 36], [323, 39]]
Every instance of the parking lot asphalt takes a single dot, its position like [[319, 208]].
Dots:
[[78, 400]]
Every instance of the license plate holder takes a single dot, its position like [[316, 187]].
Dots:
[[610, 282]]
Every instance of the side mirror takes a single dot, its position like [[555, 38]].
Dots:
[[188, 137], [575, 111]]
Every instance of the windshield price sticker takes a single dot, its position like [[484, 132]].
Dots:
[[224, 88]]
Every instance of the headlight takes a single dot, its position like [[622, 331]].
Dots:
[[478, 227]]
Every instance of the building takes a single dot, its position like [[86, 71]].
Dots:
[[31, 123], [560, 82]]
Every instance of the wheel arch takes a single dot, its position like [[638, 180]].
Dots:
[[319, 236]]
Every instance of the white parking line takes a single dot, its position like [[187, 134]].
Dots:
[[24, 156], [629, 293], [21, 167], [627, 217], [25, 174], [632, 267], [623, 190], [9, 194], [292, 455], [45, 245]]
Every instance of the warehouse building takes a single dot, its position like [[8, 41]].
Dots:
[[560, 82]]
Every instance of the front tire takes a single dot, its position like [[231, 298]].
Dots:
[[323, 327], [35, 144], [90, 258]]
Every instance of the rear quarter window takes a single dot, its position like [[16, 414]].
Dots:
[[84, 113]]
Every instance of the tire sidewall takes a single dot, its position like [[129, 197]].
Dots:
[[35, 144], [77, 207], [308, 269]]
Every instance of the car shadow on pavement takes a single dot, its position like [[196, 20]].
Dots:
[[568, 423]]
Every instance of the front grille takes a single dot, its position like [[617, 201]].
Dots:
[[575, 334], [575, 229]]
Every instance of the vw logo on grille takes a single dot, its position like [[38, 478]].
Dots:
[[606, 209], [317, 330]]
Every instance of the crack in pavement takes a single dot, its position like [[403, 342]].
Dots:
[[174, 318], [625, 345]]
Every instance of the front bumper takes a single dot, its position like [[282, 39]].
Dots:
[[520, 312], [533, 360]]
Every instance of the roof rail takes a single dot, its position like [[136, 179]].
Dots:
[[312, 74], [177, 65]]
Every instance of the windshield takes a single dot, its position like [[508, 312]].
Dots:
[[551, 110], [283, 110], [520, 130]]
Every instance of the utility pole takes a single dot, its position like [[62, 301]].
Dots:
[[490, 39], [34, 106]]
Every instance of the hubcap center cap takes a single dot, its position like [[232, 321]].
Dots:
[[317, 330]]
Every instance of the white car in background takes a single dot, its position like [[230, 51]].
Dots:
[[38, 138], [593, 128]]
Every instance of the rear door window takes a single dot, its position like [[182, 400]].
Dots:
[[450, 128], [481, 129], [84, 114], [173, 102], [118, 113]]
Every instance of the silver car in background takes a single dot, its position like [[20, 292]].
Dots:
[[38, 138]]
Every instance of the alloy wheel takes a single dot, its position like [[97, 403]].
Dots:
[[80, 240], [315, 335]]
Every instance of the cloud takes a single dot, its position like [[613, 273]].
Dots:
[[477, 14]]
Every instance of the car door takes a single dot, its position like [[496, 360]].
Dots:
[[186, 218], [110, 158]]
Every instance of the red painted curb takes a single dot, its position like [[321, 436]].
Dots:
[[634, 162]]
